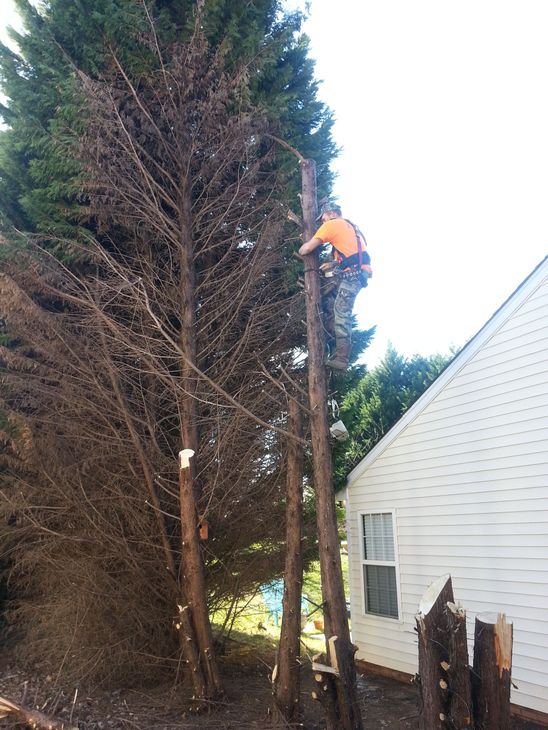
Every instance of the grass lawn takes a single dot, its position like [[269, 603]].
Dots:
[[256, 625]]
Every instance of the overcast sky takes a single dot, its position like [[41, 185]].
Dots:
[[442, 115]]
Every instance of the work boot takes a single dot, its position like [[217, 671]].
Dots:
[[342, 355]]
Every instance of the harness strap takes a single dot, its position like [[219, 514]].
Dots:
[[361, 257]]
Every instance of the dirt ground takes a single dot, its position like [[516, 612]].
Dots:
[[386, 704]]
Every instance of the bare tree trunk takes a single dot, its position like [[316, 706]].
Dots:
[[334, 603], [189, 415], [492, 672], [192, 566], [286, 675], [434, 661], [460, 686], [193, 580]]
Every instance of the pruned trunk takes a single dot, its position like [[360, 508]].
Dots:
[[286, 678], [193, 585], [492, 672], [191, 652], [460, 687], [434, 658], [334, 603], [193, 581]]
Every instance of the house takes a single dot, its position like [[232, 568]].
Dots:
[[460, 485]]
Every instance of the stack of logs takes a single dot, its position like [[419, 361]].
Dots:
[[454, 695]]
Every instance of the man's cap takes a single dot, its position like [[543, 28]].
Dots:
[[327, 207]]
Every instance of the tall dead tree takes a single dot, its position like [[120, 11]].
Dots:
[[340, 648], [286, 677]]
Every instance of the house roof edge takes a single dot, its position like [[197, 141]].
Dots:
[[518, 296]]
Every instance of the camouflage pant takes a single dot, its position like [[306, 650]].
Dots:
[[338, 301]]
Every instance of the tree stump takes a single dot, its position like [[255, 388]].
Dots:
[[492, 672], [434, 655], [458, 673]]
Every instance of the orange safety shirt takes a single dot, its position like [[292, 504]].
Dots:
[[342, 236]]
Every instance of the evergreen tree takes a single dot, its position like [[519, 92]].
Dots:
[[41, 182], [378, 401], [181, 185], [60, 181]]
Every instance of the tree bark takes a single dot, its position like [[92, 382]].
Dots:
[[326, 694], [193, 584], [193, 580], [334, 603], [434, 659], [460, 686], [492, 672], [187, 336], [286, 679]]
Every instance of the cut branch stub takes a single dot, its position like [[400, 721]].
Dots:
[[326, 691], [492, 671], [433, 653]]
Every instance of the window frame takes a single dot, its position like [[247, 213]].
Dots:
[[394, 564]]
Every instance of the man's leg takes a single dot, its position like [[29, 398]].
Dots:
[[342, 310], [329, 294]]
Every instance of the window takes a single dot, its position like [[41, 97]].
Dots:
[[379, 564]]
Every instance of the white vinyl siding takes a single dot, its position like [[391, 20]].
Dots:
[[380, 589], [467, 473]]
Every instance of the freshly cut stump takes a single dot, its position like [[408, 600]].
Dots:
[[492, 671], [434, 654]]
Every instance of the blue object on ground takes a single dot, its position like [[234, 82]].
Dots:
[[272, 594]]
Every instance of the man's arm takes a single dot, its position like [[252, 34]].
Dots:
[[310, 246]]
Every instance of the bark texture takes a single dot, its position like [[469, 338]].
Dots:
[[334, 603], [205, 673], [492, 672], [434, 659], [460, 687], [286, 681]]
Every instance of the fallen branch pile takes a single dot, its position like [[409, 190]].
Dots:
[[31, 718]]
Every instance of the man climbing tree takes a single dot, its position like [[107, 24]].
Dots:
[[351, 268]]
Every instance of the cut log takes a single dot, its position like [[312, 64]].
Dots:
[[458, 672], [31, 718], [491, 681], [433, 651]]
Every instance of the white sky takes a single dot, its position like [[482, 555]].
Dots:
[[442, 113]]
